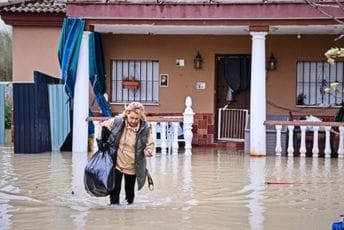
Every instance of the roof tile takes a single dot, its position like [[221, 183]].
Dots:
[[35, 6]]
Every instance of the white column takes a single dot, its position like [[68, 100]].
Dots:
[[258, 95], [81, 99]]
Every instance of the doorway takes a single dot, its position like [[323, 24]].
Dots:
[[232, 80]]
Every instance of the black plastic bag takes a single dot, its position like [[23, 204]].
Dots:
[[99, 177]]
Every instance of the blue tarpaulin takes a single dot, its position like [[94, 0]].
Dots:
[[97, 72], [68, 51], [68, 55]]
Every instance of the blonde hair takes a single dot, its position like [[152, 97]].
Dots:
[[135, 107]]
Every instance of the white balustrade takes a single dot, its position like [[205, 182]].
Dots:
[[168, 128], [316, 127]]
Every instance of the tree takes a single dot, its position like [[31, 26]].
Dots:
[[322, 7], [5, 54]]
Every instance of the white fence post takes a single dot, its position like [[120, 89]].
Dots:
[[163, 137], [303, 149], [175, 145], [96, 134], [188, 119], [327, 142], [278, 148], [341, 139], [290, 149], [315, 149], [153, 126]]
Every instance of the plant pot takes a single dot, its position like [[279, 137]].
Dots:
[[300, 102], [131, 84]]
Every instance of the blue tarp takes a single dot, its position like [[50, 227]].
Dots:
[[97, 72], [68, 51], [68, 55]]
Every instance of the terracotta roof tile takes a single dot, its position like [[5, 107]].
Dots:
[[35, 6]]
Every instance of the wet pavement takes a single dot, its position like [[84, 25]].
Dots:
[[212, 189]]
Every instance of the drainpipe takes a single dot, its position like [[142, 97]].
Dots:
[[258, 95]]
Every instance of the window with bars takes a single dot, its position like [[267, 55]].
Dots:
[[145, 74], [314, 81]]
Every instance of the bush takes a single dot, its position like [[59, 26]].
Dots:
[[8, 115]]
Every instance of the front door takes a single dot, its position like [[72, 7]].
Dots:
[[233, 77]]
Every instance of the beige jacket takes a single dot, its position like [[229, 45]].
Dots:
[[126, 148]]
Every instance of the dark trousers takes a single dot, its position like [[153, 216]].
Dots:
[[129, 181]]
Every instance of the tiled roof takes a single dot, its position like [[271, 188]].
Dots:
[[35, 6]]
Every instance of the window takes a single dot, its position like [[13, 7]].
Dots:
[[313, 79], [144, 72]]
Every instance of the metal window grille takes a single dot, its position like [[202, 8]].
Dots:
[[313, 78], [144, 71]]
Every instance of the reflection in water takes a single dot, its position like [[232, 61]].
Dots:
[[211, 189], [256, 188], [79, 161], [6, 187], [257, 178]]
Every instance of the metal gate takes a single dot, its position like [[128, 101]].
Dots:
[[231, 124]]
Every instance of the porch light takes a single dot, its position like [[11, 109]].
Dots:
[[198, 61], [272, 63]]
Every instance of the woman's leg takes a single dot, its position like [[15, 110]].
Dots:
[[129, 187], [114, 196]]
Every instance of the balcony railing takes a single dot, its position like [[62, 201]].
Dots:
[[329, 129]]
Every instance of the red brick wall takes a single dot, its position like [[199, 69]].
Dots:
[[204, 133], [203, 129]]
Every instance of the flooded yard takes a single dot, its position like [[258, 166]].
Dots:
[[212, 189]]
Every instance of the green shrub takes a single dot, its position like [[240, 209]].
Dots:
[[8, 115]]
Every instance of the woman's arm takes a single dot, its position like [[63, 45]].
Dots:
[[149, 150]]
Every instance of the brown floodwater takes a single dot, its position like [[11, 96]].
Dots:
[[212, 189]]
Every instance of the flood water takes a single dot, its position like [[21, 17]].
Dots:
[[212, 189]]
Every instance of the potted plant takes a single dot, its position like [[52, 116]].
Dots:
[[130, 83], [300, 99]]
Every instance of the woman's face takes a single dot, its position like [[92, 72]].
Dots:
[[133, 119]]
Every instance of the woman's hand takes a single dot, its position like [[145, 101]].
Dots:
[[148, 152]]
